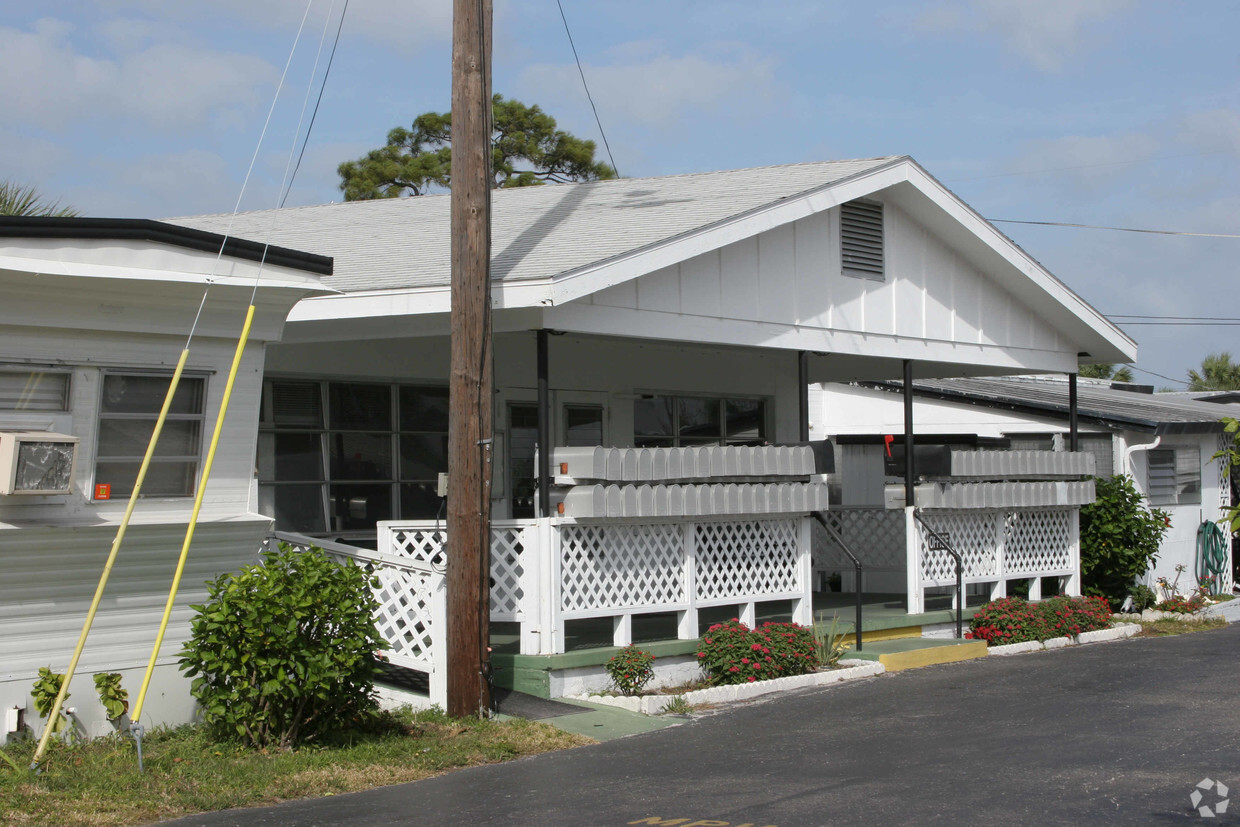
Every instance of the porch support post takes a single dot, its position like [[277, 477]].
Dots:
[[1074, 441], [803, 396], [912, 562], [910, 467], [544, 425]]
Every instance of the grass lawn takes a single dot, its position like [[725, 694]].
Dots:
[[1172, 626], [98, 783]]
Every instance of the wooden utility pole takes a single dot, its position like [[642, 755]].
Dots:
[[470, 427]]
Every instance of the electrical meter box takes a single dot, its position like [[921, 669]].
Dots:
[[36, 462]]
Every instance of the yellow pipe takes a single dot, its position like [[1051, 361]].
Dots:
[[116, 545], [136, 715]]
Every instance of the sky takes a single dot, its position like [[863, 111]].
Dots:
[[1122, 113]]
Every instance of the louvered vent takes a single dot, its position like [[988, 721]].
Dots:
[[861, 239]]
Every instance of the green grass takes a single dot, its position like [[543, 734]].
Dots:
[[1175, 626], [187, 772]]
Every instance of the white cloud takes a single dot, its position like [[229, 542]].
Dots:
[[1214, 130], [658, 90], [168, 86], [1088, 162], [1046, 32]]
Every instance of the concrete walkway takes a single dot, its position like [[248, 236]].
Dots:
[[1115, 734]]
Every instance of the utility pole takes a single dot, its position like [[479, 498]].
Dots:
[[470, 426]]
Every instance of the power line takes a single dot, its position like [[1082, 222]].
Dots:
[[1117, 229], [589, 97], [1090, 166], [1187, 318], [1159, 375]]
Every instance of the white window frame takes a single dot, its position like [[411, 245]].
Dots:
[[1183, 472]]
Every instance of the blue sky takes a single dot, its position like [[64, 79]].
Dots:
[[1111, 112]]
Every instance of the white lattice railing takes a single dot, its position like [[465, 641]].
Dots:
[[546, 572], [995, 546], [411, 602]]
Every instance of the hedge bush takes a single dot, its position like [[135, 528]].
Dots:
[[731, 652], [1120, 537], [630, 669], [285, 651], [1013, 620]]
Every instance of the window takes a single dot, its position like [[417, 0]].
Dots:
[[341, 456], [129, 406], [697, 420], [24, 389], [1175, 476], [861, 239]]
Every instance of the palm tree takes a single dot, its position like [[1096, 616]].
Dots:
[[1218, 373], [16, 199], [1106, 371]]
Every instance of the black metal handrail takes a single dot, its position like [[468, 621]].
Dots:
[[947, 546], [839, 541]]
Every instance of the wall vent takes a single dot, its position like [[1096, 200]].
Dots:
[[861, 239]]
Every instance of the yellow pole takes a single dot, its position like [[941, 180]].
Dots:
[[136, 715], [107, 568]]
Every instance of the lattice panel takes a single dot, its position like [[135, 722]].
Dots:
[[422, 544], [876, 536], [1038, 542], [746, 558], [506, 571], [620, 566], [404, 618], [975, 537]]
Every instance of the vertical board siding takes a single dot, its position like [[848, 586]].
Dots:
[[777, 274], [738, 280]]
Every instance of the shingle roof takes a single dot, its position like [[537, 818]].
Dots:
[[537, 232], [1095, 403]]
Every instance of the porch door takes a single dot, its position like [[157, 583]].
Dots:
[[582, 421]]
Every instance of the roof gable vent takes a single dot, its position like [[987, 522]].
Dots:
[[861, 239]]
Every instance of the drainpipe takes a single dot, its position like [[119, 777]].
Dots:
[[1132, 449]]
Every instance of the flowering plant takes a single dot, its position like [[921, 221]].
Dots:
[[731, 652], [630, 669], [1186, 604], [1012, 620]]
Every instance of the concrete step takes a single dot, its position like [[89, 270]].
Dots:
[[913, 653]]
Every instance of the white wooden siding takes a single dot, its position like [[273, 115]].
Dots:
[[791, 277]]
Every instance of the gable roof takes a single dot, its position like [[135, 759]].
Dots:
[[1096, 403], [536, 232]]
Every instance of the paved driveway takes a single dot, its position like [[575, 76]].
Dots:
[[1117, 733]]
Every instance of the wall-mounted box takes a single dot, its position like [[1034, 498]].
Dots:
[[36, 462]]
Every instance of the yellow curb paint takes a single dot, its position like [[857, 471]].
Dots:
[[917, 658]]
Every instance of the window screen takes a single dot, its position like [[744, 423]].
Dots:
[[1175, 476], [129, 407]]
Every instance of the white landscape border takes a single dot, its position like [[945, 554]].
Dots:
[[850, 669]]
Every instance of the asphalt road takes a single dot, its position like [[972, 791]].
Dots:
[[1116, 733]]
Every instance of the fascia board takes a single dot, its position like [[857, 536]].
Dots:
[[1023, 263], [415, 301], [41, 266], [599, 276]]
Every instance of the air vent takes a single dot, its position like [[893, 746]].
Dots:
[[861, 239]]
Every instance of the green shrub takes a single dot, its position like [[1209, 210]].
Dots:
[[112, 695], [44, 692], [285, 650], [829, 644], [731, 652], [1143, 597], [1012, 620], [1119, 539], [630, 669]]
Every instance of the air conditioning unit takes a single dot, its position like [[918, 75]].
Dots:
[[36, 462]]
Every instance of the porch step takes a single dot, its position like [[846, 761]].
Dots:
[[914, 653], [879, 635]]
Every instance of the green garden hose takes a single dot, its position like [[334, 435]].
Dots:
[[1212, 556]]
